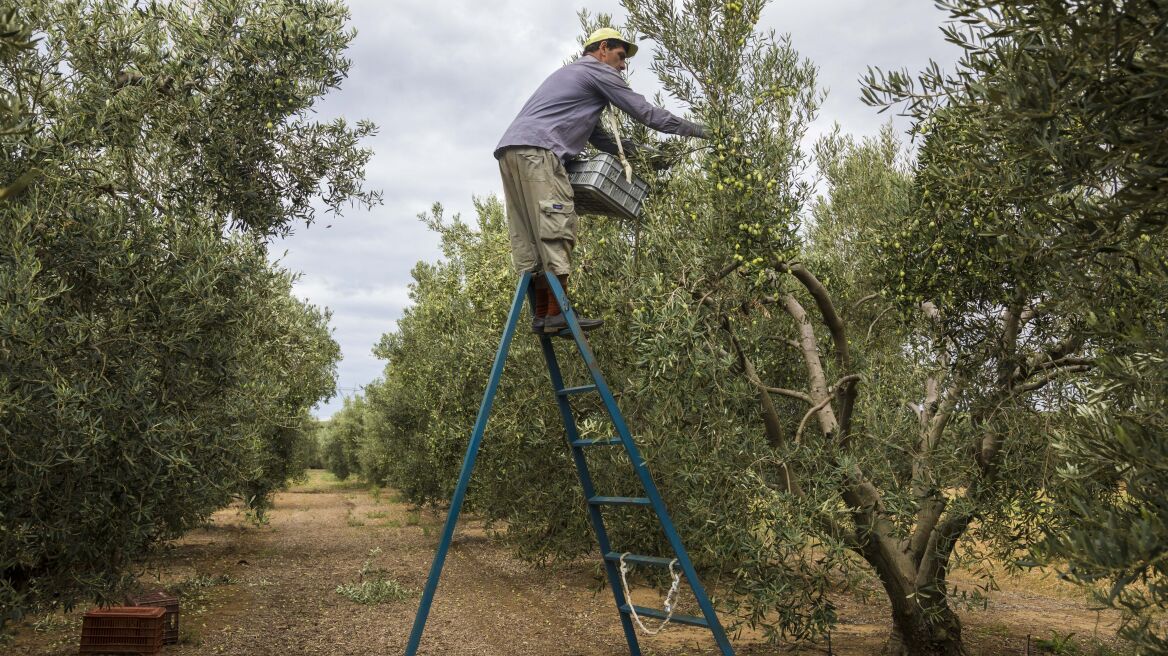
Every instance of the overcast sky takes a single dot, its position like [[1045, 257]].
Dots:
[[443, 79]]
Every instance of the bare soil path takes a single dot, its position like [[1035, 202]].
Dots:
[[272, 590]]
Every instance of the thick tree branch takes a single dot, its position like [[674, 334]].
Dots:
[[1008, 346], [835, 327], [771, 423], [944, 412], [1011, 324], [932, 507], [837, 389], [816, 376], [1066, 362], [934, 562], [831, 318], [836, 531], [934, 417], [1043, 381]]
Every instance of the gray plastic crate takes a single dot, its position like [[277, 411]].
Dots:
[[600, 187]]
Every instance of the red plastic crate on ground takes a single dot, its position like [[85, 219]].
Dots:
[[170, 620], [123, 630]]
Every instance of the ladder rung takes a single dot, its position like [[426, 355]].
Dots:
[[660, 615], [610, 441], [583, 389], [639, 560], [620, 501]]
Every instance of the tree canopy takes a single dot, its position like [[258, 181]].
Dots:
[[154, 364]]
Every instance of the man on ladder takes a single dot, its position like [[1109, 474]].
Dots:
[[554, 125]]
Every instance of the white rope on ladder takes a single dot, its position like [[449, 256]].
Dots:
[[670, 597]]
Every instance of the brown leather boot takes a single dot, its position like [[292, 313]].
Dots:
[[555, 322]]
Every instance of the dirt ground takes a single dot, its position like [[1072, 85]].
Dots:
[[272, 590]]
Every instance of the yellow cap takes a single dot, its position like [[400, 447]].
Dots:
[[606, 33]]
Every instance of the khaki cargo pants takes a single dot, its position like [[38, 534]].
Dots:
[[541, 215]]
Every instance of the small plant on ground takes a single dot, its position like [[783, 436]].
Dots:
[[195, 585], [1058, 644], [373, 586], [193, 590], [256, 517]]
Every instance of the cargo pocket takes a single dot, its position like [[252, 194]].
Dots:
[[558, 219]]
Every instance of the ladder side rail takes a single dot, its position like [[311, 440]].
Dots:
[[571, 433], [468, 464], [642, 471]]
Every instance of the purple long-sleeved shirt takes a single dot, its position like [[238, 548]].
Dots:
[[563, 113]]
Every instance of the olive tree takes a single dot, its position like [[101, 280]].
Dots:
[[1051, 136], [342, 440], [1047, 147], [153, 362]]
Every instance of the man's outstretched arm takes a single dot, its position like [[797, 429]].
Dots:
[[614, 89]]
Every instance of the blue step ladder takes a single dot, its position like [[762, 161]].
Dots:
[[612, 559]]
